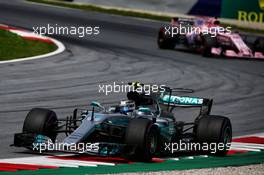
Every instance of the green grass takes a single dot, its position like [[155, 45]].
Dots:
[[13, 46], [132, 13]]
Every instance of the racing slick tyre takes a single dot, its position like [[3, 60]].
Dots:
[[259, 45], [212, 129], [165, 41], [142, 134], [208, 42], [41, 121]]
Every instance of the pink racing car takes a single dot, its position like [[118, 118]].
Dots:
[[206, 36]]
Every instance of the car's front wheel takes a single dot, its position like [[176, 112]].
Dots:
[[165, 41], [41, 121], [143, 135], [208, 43]]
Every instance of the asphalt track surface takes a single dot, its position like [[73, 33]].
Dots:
[[125, 50]]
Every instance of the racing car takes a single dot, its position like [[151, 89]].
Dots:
[[138, 128], [206, 36]]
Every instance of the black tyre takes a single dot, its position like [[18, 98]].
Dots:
[[41, 121], [142, 134], [165, 41], [208, 42], [214, 130], [259, 45]]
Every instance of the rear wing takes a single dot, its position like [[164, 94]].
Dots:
[[172, 101], [182, 100], [164, 96]]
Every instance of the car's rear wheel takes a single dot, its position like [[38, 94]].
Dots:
[[165, 41], [41, 121], [143, 135], [214, 130]]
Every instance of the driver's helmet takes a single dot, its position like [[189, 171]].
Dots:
[[127, 106], [199, 22], [144, 111], [217, 22]]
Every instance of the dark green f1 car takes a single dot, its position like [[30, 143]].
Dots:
[[140, 127]]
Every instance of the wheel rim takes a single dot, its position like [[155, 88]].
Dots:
[[160, 41], [152, 143], [227, 136]]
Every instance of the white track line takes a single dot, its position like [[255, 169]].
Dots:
[[44, 160], [244, 149], [248, 145], [98, 163], [205, 156], [86, 161], [260, 134], [175, 159], [38, 162]]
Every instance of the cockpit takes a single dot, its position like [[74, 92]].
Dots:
[[137, 105]]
